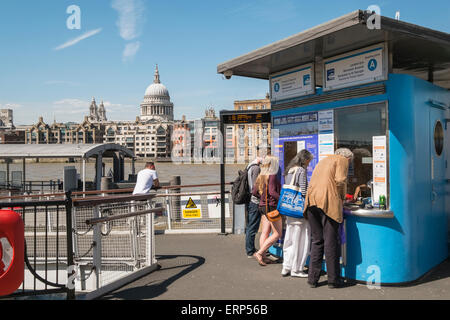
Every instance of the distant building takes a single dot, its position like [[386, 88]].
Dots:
[[64, 133], [148, 139], [211, 136], [12, 136], [6, 118], [97, 114], [149, 136], [197, 141], [157, 105], [248, 138]]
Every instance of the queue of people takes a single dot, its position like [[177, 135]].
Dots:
[[314, 234]]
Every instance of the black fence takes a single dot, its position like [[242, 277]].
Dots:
[[48, 247]]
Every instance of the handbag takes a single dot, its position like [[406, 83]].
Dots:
[[273, 215], [291, 202]]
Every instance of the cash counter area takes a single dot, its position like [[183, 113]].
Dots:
[[363, 89]]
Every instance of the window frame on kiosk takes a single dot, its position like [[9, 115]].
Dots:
[[386, 134]]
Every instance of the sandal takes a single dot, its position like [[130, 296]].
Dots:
[[259, 258]]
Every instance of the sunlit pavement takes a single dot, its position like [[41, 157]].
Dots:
[[215, 267]]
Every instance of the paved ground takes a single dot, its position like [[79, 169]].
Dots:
[[215, 267]]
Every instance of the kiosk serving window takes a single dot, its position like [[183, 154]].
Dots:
[[361, 128], [355, 128]]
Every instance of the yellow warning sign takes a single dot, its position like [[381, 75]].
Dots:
[[191, 204], [192, 213], [191, 208]]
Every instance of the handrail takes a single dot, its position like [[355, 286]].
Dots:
[[37, 195], [111, 191], [92, 201], [158, 195], [122, 216]]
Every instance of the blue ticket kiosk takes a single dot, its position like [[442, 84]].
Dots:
[[384, 94]]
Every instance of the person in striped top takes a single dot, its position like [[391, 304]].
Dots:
[[297, 237]]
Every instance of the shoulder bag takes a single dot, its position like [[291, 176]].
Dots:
[[291, 202], [272, 215]]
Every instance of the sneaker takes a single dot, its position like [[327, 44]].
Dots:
[[299, 274], [312, 284], [285, 272], [272, 258]]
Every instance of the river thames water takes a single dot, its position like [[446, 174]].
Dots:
[[189, 173]]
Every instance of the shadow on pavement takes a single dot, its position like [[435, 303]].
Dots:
[[157, 286]]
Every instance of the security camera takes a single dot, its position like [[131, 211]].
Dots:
[[228, 74]]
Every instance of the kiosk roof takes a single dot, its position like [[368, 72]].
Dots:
[[60, 150], [414, 49]]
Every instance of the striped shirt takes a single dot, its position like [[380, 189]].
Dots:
[[300, 180]]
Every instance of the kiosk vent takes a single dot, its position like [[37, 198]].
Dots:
[[332, 96]]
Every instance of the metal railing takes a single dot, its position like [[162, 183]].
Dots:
[[33, 186], [92, 242], [48, 246], [114, 241]]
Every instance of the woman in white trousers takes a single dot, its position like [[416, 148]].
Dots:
[[296, 245]]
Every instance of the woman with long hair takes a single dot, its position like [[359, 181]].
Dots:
[[267, 189], [297, 238]]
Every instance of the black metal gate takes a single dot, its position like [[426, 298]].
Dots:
[[48, 246]]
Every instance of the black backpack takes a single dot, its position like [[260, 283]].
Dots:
[[240, 191]]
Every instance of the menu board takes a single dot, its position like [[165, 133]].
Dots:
[[379, 168]]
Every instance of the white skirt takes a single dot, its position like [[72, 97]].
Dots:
[[296, 245]]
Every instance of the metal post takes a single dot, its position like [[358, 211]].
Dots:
[[23, 175], [97, 252], [98, 171], [69, 234], [8, 161], [176, 201], [149, 238], [222, 180], [169, 221], [84, 176]]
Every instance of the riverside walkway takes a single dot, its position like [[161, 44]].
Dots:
[[215, 267]]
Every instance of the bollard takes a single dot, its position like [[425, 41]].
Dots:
[[175, 202], [239, 218], [106, 183]]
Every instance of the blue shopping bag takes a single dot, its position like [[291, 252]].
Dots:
[[291, 202]]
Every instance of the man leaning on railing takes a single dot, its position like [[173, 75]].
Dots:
[[147, 179]]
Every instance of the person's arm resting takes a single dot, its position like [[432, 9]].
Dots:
[[340, 177]]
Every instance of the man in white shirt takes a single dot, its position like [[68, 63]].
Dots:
[[146, 178]]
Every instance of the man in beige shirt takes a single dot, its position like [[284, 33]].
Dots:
[[324, 212]]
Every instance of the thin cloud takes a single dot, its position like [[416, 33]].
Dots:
[[130, 50], [71, 106], [131, 17], [78, 39], [61, 82]]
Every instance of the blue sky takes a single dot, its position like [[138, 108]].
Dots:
[[43, 73]]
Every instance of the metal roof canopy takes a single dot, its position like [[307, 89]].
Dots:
[[83, 151], [10, 151], [419, 51]]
